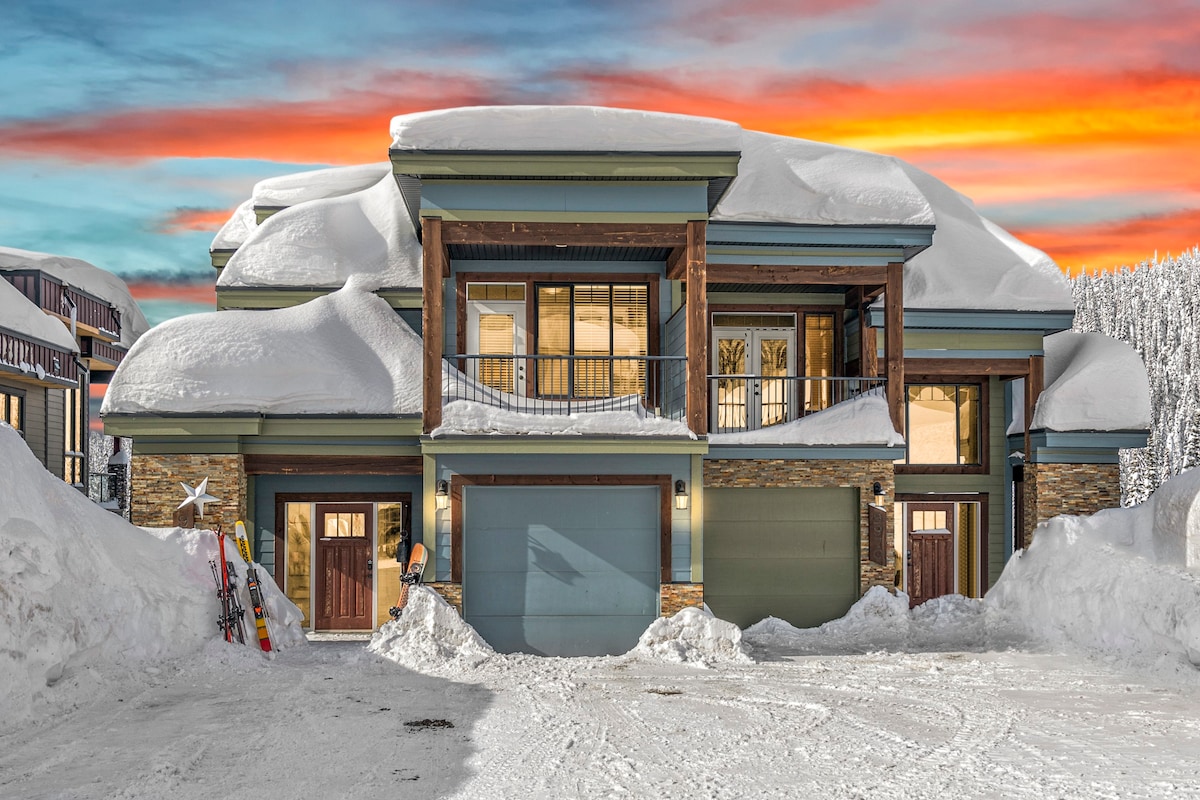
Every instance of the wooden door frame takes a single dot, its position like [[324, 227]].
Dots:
[[979, 498]]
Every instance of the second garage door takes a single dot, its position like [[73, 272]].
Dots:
[[561, 570], [786, 553]]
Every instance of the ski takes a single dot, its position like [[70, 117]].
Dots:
[[231, 607], [256, 597], [410, 578]]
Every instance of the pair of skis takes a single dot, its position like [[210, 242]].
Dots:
[[231, 621], [410, 578]]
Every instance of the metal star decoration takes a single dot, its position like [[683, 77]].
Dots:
[[197, 497]]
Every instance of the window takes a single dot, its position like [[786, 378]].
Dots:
[[591, 323], [74, 418], [944, 425], [12, 409]]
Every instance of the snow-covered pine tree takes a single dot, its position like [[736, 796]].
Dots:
[[1156, 309]]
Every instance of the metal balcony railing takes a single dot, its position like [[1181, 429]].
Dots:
[[751, 402], [49, 364], [560, 385]]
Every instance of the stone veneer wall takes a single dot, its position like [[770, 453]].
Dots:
[[1053, 489], [674, 597], [450, 592], [819, 474], [156, 492]]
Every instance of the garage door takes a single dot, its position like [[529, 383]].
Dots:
[[560, 571], [787, 553]]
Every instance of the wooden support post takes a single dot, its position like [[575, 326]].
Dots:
[[1034, 383], [893, 343], [432, 320], [697, 329]]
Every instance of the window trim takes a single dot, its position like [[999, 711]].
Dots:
[[9, 391], [982, 468], [839, 333]]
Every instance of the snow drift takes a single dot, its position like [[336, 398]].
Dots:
[[864, 420], [695, 637], [430, 637], [1093, 383]]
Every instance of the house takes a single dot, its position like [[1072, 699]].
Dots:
[[65, 325], [606, 364]]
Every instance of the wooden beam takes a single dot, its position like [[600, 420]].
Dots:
[[677, 264], [1035, 382], [580, 234], [697, 329], [799, 274], [1000, 367], [893, 343], [432, 320]]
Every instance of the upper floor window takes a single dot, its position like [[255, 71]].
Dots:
[[12, 409], [74, 436], [591, 323], [944, 425]]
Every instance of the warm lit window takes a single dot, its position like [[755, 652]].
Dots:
[[943, 425], [12, 410], [588, 325], [74, 434]]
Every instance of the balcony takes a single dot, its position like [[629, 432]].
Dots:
[[41, 363], [742, 403], [91, 315], [551, 385]]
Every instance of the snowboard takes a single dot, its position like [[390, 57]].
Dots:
[[410, 578], [252, 584]]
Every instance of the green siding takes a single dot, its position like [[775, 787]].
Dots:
[[56, 435], [782, 552]]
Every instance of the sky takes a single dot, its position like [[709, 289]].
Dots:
[[129, 131]]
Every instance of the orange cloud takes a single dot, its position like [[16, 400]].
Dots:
[[196, 219], [1097, 247], [182, 291]]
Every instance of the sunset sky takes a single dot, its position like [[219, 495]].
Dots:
[[130, 130]]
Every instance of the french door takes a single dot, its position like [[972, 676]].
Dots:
[[756, 393], [497, 328]]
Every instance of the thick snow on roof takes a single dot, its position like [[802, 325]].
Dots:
[[345, 353], [563, 129], [1093, 383], [89, 278], [236, 229], [795, 181], [20, 315], [300, 187], [862, 421], [975, 264], [323, 242]]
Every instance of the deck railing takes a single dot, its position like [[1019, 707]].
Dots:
[[750, 402], [560, 385], [52, 295], [48, 364]]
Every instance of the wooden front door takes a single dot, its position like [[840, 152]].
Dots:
[[344, 598], [930, 550]]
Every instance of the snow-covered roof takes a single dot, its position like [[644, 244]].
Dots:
[[345, 353], [563, 129], [865, 421], [21, 315], [795, 181], [323, 242], [289, 190], [1093, 383], [85, 276], [237, 228]]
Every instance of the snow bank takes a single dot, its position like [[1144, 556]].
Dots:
[[781, 179], [1093, 383], [91, 279], [865, 420], [81, 587], [563, 128], [323, 242], [20, 315], [695, 637], [430, 637], [347, 352], [465, 416]]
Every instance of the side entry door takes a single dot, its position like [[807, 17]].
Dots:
[[344, 567]]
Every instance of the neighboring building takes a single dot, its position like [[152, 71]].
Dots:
[[604, 364], [64, 326]]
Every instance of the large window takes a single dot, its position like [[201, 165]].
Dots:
[[588, 324], [74, 436], [12, 409], [944, 425]]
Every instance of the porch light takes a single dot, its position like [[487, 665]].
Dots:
[[442, 496], [681, 495], [877, 490]]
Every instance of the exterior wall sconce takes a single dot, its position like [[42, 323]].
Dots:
[[681, 495], [877, 490], [442, 496]]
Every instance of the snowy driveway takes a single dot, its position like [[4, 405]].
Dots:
[[328, 721]]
